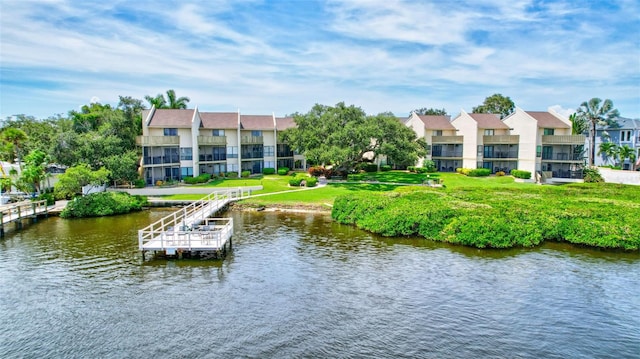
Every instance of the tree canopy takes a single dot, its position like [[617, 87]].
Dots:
[[341, 135], [596, 112], [496, 104], [172, 101], [430, 111]]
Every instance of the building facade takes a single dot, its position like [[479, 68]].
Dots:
[[444, 145], [624, 132], [181, 143]]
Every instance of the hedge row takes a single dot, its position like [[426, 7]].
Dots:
[[482, 218], [521, 174], [103, 204]]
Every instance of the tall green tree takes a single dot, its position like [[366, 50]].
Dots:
[[71, 182], [341, 135], [578, 124], [123, 167], [610, 151], [596, 112], [626, 152], [496, 104], [430, 111], [172, 101], [396, 141], [34, 171], [15, 137]]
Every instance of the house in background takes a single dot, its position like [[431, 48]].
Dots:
[[488, 142], [181, 143], [444, 145], [546, 145], [625, 131]]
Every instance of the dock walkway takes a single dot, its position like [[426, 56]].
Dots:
[[16, 212], [191, 228]]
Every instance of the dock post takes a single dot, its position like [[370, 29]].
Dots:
[[19, 221]]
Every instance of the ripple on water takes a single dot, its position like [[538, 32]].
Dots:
[[303, 286]]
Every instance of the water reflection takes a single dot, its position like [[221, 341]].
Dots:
[[300, 285]]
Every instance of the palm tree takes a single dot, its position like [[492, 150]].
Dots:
[[628, 152], [609, 150], [578, 125], [596, 112], [180, 102], [174, 102], [15, 136]]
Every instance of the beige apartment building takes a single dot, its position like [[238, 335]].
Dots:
[[186, 142]]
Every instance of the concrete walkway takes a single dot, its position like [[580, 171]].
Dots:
[[167, 191]]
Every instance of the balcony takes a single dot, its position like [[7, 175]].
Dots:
[[212, 140], [161, 160], [213, 158], [562, 157], [447, 139], [248, 155], [252, 140], [451, 154], [501, 154], [158, 140], [501, 139], [563, 139]]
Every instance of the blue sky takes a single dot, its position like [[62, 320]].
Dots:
[[285, 56]]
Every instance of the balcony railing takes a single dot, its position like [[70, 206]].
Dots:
[[437, 153], [501, 139], [212, 140], [567, 174], [285, 154], [562, 157], [250, 140], [502, 154], [447, 139], [160, 160], [211, 158], [563, 139], [246, 155], [158, 140]]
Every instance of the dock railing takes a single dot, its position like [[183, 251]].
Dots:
[[179, 227], [25, 209]]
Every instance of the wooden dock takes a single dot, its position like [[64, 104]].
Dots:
[[191, 228], [17, 212]]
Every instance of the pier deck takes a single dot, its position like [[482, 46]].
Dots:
[[16, 212], [191, 228]]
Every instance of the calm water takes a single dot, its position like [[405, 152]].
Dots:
[[302, 286]]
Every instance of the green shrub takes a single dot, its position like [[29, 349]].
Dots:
[[479, 172], [295, 181], [312, 181], [385, 168], [521, 174], [245, 174], [48, 196], [592, 175], [232, 174], [411, 168], [430, 166], [139, 183], [500, 173], [421, 170], [282, 171], [102, 204], [268, 171], [370, 167]]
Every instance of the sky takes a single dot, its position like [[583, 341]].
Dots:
[[282, 57]]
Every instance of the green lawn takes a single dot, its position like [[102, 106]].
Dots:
[[326, 195]]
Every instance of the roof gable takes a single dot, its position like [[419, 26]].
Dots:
[[171, 118], [547, 120], [284, 123], [488, 120], [219, 120], [433, 122], [256, 122]]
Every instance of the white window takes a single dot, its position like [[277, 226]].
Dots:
[[488, 132], [186, 153], [232, 167], [269, 164], [232, 151], [218, 132], [437, 132], [269, 151], [625, 136]]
